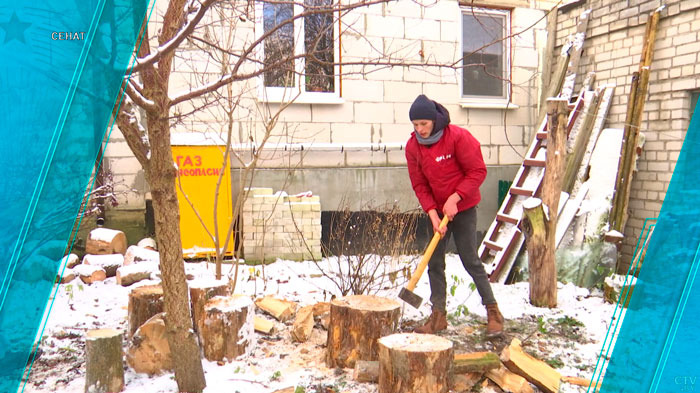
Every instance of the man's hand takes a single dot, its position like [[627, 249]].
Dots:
[[450, 208], [435, 220]]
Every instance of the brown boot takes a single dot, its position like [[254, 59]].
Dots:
[[437, 322], [494, 327]]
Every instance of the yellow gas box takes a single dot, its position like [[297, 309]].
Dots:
[[199, 168]]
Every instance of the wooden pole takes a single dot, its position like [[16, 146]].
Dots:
[[573, 162], [635, 108], [539, 225]]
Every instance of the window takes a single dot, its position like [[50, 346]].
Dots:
[[300, 55], [485, 56], [693, 102]]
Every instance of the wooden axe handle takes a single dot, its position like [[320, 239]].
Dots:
[[426, 256]]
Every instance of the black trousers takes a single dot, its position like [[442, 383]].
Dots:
[[463, 228]]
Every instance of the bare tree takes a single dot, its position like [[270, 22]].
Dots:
[[150, 110]]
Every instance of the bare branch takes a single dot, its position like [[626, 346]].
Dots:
[[173, 43], [138, 98], [132, 131]]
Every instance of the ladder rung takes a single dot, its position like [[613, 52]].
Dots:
[[492, 245], [521, 191], [534, 162], [506, 218]]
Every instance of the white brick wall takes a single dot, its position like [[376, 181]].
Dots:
[[376, 99], [277, 226]]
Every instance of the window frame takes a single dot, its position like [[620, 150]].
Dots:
[[286, 94], [476, 101]]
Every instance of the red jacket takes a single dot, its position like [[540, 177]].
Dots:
[[453, 164]]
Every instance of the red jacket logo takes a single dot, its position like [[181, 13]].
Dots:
[[445, 157]]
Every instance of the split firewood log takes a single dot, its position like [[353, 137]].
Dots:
[[149, 351], [303, 324], [281, 310], [534, 370]]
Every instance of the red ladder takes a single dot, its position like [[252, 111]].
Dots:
[[503, 240]]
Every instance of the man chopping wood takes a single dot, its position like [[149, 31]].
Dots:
[[446, 168]]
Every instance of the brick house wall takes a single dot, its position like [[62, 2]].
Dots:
[[612, 50]]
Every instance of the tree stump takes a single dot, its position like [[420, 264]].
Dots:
[[105, 241], [144, 302], [104, 364], [203, 290], [356, 322], [413, 363], [226, 329], [109, 262]]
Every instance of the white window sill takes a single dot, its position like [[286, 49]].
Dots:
[[487, 105], [303, 100]]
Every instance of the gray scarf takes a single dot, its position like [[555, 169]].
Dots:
[[430, 140]]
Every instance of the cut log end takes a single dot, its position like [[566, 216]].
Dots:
[[410, 362]]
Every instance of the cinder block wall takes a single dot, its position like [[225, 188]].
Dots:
[[612, 50], [280, 226]]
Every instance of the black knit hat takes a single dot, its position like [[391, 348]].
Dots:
[[422, 108]]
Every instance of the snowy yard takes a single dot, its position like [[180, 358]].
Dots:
[[568, 337]]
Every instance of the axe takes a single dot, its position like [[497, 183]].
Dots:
[[406, 293]]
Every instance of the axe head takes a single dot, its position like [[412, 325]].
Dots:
[[410, 298]]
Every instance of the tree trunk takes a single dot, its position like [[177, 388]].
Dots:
[[144, 302], [355, 325], [104, 364], [412, 362], [161, 174], [541, 243]]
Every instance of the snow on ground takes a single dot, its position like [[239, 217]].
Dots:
[[276, 362]]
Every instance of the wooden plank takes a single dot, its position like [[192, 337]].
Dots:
[[521, 191], [506, 218], [492, 245], [475, 362], [534, 162], [534, 370], [569, 211]]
